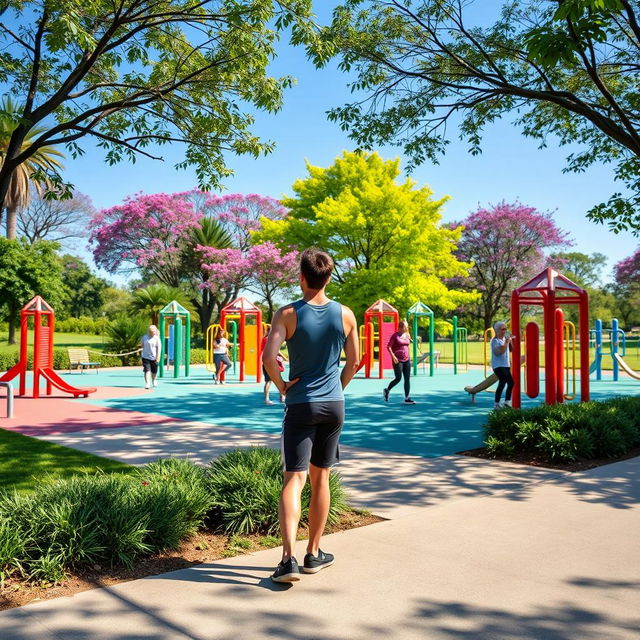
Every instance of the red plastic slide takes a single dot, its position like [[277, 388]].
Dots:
[[51, 376]]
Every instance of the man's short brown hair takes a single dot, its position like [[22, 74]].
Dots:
[[316, 267]]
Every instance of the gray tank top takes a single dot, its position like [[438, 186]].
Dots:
[[314, 353]]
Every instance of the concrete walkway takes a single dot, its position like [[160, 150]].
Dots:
[[474, 550]]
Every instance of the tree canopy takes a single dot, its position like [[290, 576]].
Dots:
[[385, 237], [25, 271], [506, 244], [137, 74], [567, 69]]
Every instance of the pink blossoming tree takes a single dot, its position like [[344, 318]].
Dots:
[[263, 270], [148, 232], [507, 244], [626, 289], [197, 241]]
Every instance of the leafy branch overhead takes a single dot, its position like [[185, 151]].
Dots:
[[133, 75], [563, 68]]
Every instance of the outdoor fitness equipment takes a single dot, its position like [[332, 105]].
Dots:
[[548, 290], [380, 323], [178, 342], [43, 326], [417, 311], [616, 336], [231, 329], [460, 346], [248, 338]]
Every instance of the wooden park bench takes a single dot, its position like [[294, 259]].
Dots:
[[79, 359]]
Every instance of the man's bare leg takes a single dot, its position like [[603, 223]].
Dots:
[[318, 507], [289, 510]]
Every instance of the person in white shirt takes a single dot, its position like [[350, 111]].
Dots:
[[220, 355], [500, 346], [150, 356]]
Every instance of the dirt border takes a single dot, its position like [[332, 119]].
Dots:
[[532, 460], [205, 546]]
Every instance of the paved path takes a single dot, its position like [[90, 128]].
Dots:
[[555, 557]]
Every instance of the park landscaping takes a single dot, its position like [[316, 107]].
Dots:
[[565, 436], [63, 534]]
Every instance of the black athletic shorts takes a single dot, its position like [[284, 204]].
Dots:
[[149, 365], [310, 434], [265, 374]]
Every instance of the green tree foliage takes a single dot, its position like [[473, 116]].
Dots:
[[25, 271], [84, 291], [116, 302], [385, 236], [149, 300], [583, 269], [136, 74], [567, 69]]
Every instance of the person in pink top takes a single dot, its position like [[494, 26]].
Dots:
[[398, 347]]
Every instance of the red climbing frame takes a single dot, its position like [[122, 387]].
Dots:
[[42, 352]]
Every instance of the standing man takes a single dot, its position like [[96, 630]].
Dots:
[[316, 330], [150, 356]]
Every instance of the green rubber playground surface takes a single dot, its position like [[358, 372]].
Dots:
[[442, 422]]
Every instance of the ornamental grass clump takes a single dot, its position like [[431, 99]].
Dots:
[[100, 519], [566, 432], [245, 487]]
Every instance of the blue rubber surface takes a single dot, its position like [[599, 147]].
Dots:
[[442, 422]]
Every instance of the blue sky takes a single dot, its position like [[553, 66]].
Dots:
[[510, 168]]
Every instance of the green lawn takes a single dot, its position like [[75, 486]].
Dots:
[[24, 461], [59, 340]]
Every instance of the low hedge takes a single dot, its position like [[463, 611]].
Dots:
[[60, 359], [83, 324], [112, 519], [566, 432]]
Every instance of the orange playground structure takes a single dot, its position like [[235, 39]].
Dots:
[[247, 317], [43, 326]]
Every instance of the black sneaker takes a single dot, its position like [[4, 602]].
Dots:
[[409, 401], [385, 394], [313, 564], [287, 571]]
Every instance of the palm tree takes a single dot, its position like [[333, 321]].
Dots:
[[46, 158], [210, 234], [151, 299]]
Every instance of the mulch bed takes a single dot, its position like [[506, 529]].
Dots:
[[536, 461], [204, 547]]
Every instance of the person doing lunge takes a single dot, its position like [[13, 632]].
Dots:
[[398, 347], [500, 346], [316, 329]]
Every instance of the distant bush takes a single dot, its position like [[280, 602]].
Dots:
[[60, 359], [566, 432], [245, 486], [124, 334], [198, 356], [83, 324]]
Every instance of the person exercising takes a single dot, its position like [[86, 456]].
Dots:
[[500, 346], [316, 330], [398, 347]]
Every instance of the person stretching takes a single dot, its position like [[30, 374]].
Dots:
[[398, 347], [316, 330], [500, 346], [150, 356]]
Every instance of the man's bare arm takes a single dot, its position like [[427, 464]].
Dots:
[[277, 336], [351, 346]]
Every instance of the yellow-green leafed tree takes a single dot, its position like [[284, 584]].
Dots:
[[384, 235]]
